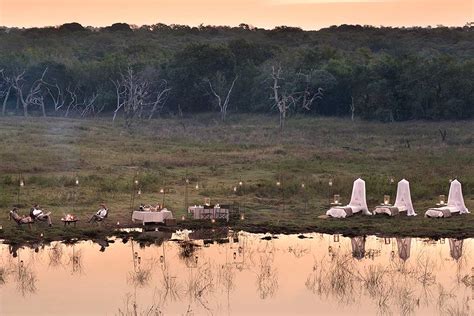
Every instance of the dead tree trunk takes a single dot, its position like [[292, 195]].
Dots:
[[352, 107], [222, 105], [34, 96], [283, 101]]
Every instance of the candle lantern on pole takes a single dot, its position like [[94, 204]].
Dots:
[[330, 183], [21, 184]]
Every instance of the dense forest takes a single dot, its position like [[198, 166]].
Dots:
[[388, 74]]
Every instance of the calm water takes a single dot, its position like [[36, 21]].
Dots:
[[323, 274]]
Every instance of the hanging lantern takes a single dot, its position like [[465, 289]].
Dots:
[[330, 182], [337, 198], [183, 218], [278, 183], [235, 189], [302, 185], [139, 192], [242, 217], [197, 186], [22, 183], [386, 199], [77, 181]]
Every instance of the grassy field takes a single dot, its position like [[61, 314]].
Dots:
[[51, 153]]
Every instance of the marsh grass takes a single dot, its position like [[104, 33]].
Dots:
[[51, 152]]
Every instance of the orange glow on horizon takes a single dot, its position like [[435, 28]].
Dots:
[[308, 14]]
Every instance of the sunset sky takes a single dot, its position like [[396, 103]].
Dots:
[[308, 14]]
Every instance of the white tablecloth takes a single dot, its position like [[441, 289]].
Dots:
[[152, 217], [199, 212]]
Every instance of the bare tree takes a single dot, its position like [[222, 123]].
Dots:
[[221, 90], [352, 107], [82, 105], [308, 96], [283, 99], [135, 96], [6, 85], [30, 97], [57, 96]]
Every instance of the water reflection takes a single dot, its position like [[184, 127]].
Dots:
[[242, 274]]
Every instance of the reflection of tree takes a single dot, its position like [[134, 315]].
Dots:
[[267, 276], [75, 260], [130, 308], [449, 303], [55, 255], [201, 284], [25, 278], [298, 251], [170, 283], [334, 276], [140, 276], [3, 275]]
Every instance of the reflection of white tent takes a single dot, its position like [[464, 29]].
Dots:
[[358, 202], [404, 245], [455, 203], [455, 248], [358, 247], [402, 202]]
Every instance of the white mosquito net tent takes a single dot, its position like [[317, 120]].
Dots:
[[357, 204], [455, 203]]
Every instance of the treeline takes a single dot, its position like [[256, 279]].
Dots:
[[389, 74]]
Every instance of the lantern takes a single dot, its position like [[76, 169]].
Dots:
[[386, 199], [442, 199], [336, 198]]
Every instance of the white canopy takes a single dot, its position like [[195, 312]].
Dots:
[[358, 202], [358, 198], [455, 198], [404, 197]]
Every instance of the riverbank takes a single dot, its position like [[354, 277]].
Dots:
[[215, 157]]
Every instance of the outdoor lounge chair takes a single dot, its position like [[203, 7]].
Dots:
[[402, 202], [20, 220], [455, 203], [358, 202]]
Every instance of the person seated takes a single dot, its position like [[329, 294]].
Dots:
[[20, 219], [36, 213], [100, 215]]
